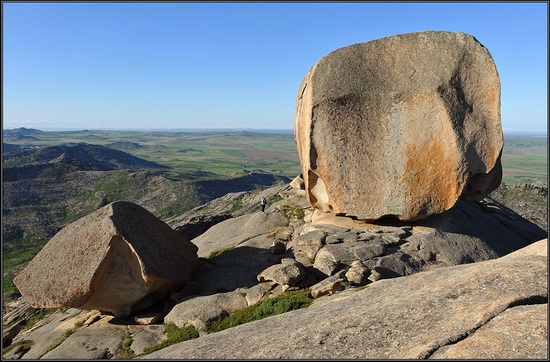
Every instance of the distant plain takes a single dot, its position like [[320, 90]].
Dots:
[[228, 153]]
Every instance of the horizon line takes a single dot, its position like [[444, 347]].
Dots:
[[210, 129]]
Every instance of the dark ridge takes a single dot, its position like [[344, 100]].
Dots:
[[60, 160]]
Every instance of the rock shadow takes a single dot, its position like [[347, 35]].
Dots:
[[235, 268], [498, 226]]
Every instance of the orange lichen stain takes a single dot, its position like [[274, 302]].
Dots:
[[430, 178], [491, 95], [419, 100]]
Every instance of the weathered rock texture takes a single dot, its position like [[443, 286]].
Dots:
[[452, 312], [402, 126], [118, 259], [335, 251]]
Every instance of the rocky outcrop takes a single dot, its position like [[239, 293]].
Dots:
[[357, 254], [118, 259], [235, 231], [528, 200], [402, 126], [452, 312]]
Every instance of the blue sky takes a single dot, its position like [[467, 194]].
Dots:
[[140, 65]]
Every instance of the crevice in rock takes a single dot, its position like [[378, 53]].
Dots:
[[528, 300]]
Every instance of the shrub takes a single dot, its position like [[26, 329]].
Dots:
[[273, 200]]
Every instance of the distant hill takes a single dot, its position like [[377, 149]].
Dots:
[[22, 133], [124, 145], [60, 160]]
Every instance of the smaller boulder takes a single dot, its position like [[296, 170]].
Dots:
[[329, 286], [278, 247], [358, 274], [286, 274], [118, 259], [201, 311]]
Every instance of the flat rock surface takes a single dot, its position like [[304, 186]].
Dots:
[[507, 336], [405, 318], [232, 232]]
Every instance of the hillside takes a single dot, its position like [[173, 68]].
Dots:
[[528, 200], [47, 188], [58, 161], [22, 134]]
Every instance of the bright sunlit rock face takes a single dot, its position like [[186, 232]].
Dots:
[[118, 259], [402, 126]]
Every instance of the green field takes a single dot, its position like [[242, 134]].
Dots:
[[525, 159], [195, 154], [191, 153]]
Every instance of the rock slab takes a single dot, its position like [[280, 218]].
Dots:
[[401, 126], [118, 259], [418, 316]]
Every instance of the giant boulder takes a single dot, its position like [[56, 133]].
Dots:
[[118, 259], [402, 126]]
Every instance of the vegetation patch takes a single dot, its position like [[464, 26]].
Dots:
[[175, 335], [13, 262], [67, 334], [125, 351], [273, 306], [37, 316], [274, 199], [218, 252], [236, 207], [24, 345]]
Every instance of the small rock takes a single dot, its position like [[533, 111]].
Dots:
[[358, 274], [257, 293], [330, 285], [278, 247], [374, 276], [149, 318]]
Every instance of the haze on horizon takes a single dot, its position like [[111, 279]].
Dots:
[[184, 66]]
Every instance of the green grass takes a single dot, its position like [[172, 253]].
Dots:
[[270, 307], [38, 316], [274, 199], [175, 335], [236, 207], [126, 352], [57, 343], [14, 260], [218, 252], [116, 186]]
